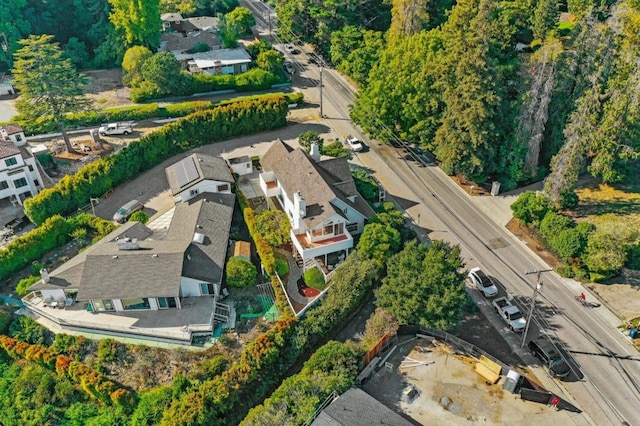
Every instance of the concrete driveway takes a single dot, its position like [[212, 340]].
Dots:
[[152, 187]]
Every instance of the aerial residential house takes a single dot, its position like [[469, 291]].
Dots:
[[321, 200], [125, 283], [216, 62], [19, 174], [196, 174]]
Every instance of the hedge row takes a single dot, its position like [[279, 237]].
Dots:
[[92, 382], [227, 398], [197, 129], [266, 254], [54, 232], [142, 112], [332, 368]]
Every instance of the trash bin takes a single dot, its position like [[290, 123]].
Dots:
[[633, 333], [512, 381]]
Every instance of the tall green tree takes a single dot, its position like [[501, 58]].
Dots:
[[139, 20], [50, 87], [424, 285], [163, 71], [242, 19], [545, 17], [132, 63], [270, 60]]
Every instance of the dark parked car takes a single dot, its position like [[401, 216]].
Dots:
[[546, 352], [17, 224]]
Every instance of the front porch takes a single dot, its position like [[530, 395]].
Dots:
[[167, 325]]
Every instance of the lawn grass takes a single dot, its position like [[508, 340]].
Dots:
[[600, 201]]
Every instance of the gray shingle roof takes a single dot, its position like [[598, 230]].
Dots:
[[154, 270], [319, 183], [8, 149], [69, 273], [206, 167], [357, 408], [209, 215]]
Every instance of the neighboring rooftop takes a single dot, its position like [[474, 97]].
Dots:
[[318, 183], [216, 57], [357, 408], [205, 220], [179, 42], [196, 168], [11, 128], [8, 149]]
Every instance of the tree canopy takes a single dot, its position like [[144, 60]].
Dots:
[[424, 285], [139, 21]]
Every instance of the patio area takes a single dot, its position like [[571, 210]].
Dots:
[[195, 318]]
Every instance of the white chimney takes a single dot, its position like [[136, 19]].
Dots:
[[299, 204], [314, 152], [45, 275]]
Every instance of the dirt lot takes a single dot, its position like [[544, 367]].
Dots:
[[451, 392], [106, 88]]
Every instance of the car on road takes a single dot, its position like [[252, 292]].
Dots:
[[127, 210], [288, 66], [483, 282], [546, 352], [290, 48], [353, 143], [510, 313]]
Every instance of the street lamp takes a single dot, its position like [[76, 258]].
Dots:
[[92, 200]]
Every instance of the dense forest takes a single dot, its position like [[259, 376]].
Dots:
[[513, 90], [85, 28]]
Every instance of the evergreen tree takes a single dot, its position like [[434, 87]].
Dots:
[[50, 87], [139, 20]]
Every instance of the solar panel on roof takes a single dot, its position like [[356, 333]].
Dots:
[[186, 172]]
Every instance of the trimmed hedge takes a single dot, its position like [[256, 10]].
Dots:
[[54, 232], [266, 254], [141, 112], [197, 129]]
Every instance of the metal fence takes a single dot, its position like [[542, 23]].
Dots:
[[457, 343]]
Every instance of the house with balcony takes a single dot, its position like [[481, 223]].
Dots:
[[135, 282], [197, 174], [19, 174], [320, 199]]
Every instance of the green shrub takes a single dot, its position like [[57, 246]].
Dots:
[[23, 250], [36, 266], [553, 224], [282, 267], [313, 278], [564, 270], [335, 149], [241, 272], [139, 216], [25, 283], [109, 350], [197, 129], [568, 243], [366, 185], [27, 330], [530, 208], [5, 321], [255, 79]]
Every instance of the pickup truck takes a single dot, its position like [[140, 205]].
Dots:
[[510, 314], [116, 129]]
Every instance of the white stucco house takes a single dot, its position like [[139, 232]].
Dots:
[[19, 174], [321, 200]]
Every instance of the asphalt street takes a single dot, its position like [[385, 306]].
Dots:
[[606, 368]]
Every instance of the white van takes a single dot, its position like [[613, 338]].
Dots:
[[127, 210]]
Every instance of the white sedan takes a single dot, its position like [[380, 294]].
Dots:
[[354, 144], [483, 282]]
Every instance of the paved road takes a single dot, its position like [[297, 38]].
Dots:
[[606, 378]]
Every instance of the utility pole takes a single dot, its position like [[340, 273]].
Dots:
[[321, 113], [536, 289]]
